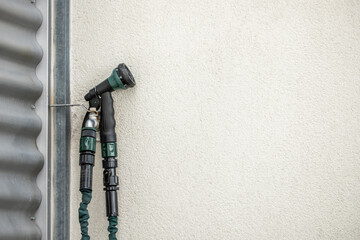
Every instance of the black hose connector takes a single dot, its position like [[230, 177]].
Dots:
[[86, 174], [111, 182], [87, 156]]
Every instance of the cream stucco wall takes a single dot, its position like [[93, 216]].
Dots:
[[244, 124]]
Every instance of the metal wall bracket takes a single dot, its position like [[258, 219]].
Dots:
[[60, 120]]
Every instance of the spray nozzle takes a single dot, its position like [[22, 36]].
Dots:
[[121, 77]]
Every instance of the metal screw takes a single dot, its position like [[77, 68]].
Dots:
[[33, 106], [32, 218]]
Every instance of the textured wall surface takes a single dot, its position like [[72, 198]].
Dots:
[[245, 123]]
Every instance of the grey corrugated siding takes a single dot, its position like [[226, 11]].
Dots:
[[20, 159]]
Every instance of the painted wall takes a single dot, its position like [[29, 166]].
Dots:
[[244, 124]]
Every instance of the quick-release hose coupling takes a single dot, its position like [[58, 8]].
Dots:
[[87, 157], [111, 182], [88, 149]]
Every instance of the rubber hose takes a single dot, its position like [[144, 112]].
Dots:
[[84, 213], [113, 221]]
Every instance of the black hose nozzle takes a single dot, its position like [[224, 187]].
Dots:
[[121, 77]]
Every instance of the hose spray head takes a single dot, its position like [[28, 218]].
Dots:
[[121, 77]]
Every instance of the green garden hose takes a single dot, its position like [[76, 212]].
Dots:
[[101, 106], [113, 221], [84, 214]]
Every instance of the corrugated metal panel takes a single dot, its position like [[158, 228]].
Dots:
[[20, 159]]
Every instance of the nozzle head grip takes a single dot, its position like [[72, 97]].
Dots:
[[115, 81]]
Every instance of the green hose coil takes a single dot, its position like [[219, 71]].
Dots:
[[113, 221], [84, 213]]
